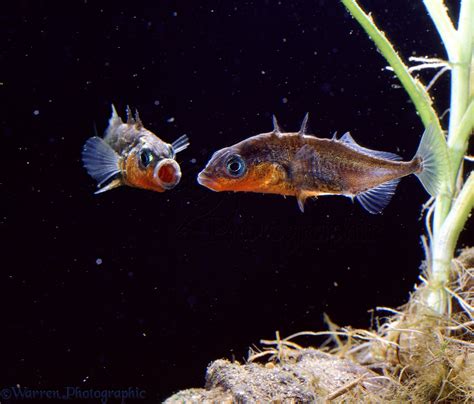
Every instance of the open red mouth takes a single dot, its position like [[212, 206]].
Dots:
[[168, 173]]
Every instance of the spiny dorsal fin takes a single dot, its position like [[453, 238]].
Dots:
[[130, 119], [334, 136], [349, 141], [304, 125], [276, 128], [115, 120], [138, 121]]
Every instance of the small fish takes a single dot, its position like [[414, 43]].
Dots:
[[131, 155], [305, 166]]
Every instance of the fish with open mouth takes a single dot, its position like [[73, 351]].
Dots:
[[129, 154], [302, 165]]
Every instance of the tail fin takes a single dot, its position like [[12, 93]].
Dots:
[[433, 153], [100, 160]]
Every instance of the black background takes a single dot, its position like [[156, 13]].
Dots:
[[190, 276]]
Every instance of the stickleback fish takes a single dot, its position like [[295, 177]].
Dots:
[[302, 165], [131, 155]]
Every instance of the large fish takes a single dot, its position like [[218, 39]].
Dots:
[[305, 166], [131, 155]]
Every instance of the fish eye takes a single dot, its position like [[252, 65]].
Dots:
[[235, 166], [146, 157]]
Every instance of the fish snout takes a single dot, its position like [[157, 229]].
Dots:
[[167, 173], [207, 181]]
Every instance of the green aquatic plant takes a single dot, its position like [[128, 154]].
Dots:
[[449, 211]]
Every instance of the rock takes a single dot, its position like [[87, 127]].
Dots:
[[309, 376]]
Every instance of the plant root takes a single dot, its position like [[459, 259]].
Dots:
[[414, 355]]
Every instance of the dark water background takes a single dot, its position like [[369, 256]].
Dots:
[[190, 276]]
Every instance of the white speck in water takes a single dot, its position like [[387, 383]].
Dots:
[[192, 161], [284, 100], [157, 102], [98, 261], [335, 284], [174, 14], [36, 112], [263, 72], [170, 120]]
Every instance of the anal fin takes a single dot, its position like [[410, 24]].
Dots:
[[375, 200]]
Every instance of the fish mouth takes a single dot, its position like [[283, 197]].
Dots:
[[167, 173], [206, 181]]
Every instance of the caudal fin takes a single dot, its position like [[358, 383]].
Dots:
[[434, 155], [100, 161]]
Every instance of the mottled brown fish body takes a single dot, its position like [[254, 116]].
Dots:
[[332, 167], [295, 163], [324, 166], [129, 154]]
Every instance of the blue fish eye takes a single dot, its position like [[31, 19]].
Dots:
[[146, 157], [235, 166]]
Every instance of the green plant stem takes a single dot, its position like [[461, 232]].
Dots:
[[444, 25], [445, 245], [449, 218], [414, 88], [459, 140], [461, 123], [460, 54]]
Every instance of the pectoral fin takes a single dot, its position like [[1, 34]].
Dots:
[[304, 164], [180, 144]]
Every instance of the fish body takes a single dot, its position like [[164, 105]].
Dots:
[[129, 154], [302, 165]]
